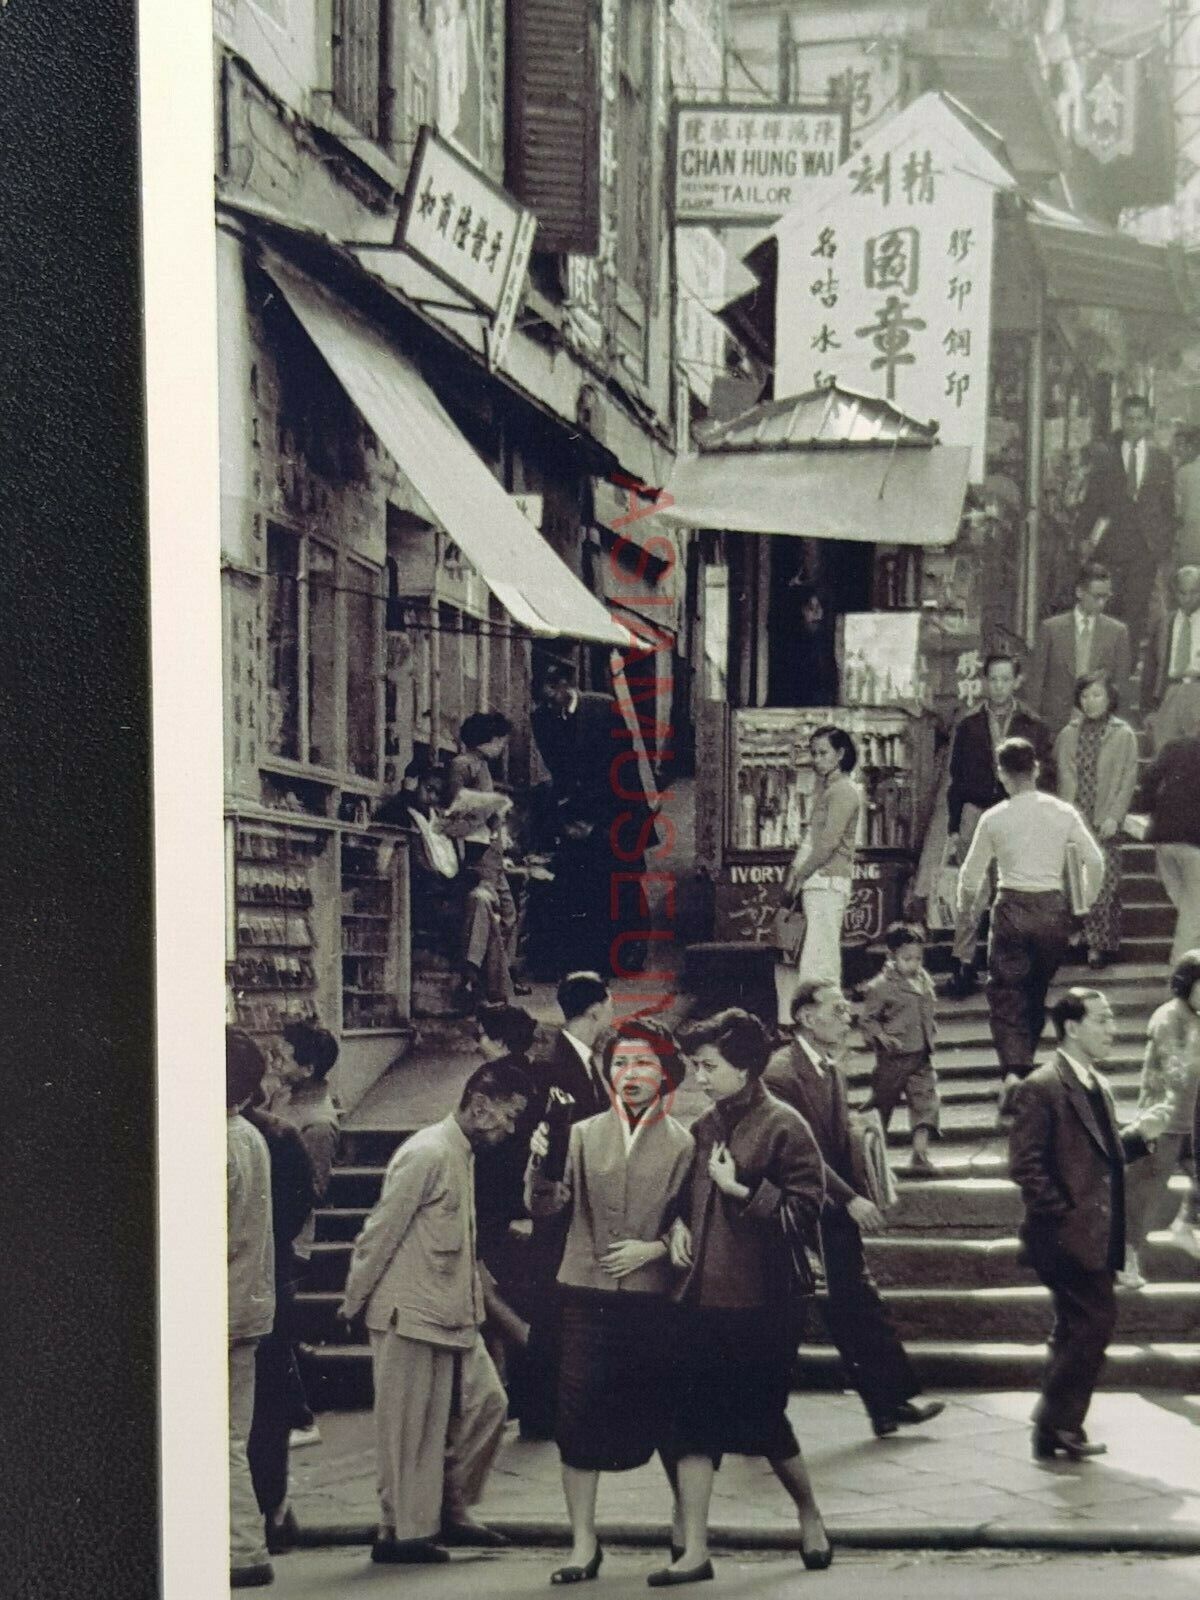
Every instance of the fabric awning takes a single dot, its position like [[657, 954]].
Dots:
[[1087, 264], [530, 581], [906, 495]]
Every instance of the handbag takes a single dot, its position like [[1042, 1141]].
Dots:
[[439, 853], [806, 1269], [788, 931]]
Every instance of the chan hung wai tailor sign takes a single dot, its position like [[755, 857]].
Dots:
[[751, 163], [468, 231], [885, 281]]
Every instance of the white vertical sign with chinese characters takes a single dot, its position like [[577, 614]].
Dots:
[[886, 285], [700, 336]]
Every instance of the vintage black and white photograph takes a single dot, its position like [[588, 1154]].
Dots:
[[709, 558]]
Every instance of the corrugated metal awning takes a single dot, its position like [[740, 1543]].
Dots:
[[533, 585]]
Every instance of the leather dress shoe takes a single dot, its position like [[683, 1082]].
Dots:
[[668, 1578], [283, 1535], [466, 1533], [256, 1577], [408, 1553], [1048, 1442], [913, 1412]]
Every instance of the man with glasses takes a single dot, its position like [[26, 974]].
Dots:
[[806, 1075]]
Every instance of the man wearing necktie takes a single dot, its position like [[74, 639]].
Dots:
[[1128, 513], [1078, 641], [1171, 675], [1067, 1157]]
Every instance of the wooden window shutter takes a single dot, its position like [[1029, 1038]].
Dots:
[[554, 120]]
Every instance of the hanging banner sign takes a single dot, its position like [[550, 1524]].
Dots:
[[749, 163], [1107, 107]]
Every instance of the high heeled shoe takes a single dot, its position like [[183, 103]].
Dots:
[[583, 1574], [817, 1560]]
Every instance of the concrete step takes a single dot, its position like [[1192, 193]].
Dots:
[[899, 1262], [973, 1072], [988, 1201], [342, 1373]]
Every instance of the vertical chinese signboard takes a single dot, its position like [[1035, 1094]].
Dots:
[[886, 284]]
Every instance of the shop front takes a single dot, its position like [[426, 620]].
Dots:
[[814, 499]]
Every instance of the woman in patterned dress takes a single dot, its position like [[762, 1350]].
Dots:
[[1097, 760]]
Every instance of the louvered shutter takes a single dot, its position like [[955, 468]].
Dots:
[[357, 48], [554, 120]]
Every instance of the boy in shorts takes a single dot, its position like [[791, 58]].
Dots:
[[897, 1019]]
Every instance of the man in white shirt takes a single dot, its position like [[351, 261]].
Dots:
[[1067, 1157], [1029, 836], [1080, 640], [1171, 675]]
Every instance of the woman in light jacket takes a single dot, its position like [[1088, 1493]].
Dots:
[[757, 1166], [1096, 755], [626, 1172], [1168, 1097]]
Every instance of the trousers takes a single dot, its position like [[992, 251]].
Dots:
[[1149, 1203], [1028, 942], [821, 953], [1179, 869], [439, 1419], [1085, 1315], [876, 1362], [247, 1540]]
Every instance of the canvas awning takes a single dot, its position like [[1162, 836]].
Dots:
[[1087, 264], [829, 464], [530, 581]]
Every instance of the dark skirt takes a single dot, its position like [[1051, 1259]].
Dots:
[[730, 1385], [612, 1410]]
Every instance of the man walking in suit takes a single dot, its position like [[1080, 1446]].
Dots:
[[1081, 640], [439, 1404], [1030, 837], [975, 786], [1171, 674], [1128, 513], [1067, 1157], [570, 1068], [806, 1076]]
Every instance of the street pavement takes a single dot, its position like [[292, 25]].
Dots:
[[859, 1575], [965, 1479]]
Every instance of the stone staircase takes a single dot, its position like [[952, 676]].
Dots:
[[969, 1314]]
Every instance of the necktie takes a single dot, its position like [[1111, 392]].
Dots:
[[1131, 472], [1083, 645], [1181, 660]]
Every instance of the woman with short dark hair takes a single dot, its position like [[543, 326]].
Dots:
[[1170, 1080], [822, 869], [1096, 756], [626, 1172], [490, 925], [757, 1179]]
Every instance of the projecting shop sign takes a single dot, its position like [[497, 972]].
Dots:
[[751, 163], [886, 284], [467, 230]]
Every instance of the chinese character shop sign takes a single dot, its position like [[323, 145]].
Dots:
[[467, 230], [751, 163], [886, 284]]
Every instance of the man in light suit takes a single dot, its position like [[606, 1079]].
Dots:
[[1067, 1157], [1128, 513], [1081, 640], [439, 1404], [1171, 673]]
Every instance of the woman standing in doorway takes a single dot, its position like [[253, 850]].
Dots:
[[822, 869], [1097, 760]]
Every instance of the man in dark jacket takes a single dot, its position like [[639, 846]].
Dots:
[[1128, 513], [1067, 1157], [805, 1075], [1171, 673], [975, 785]]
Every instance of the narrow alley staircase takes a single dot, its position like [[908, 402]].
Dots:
[[969, 1314]]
